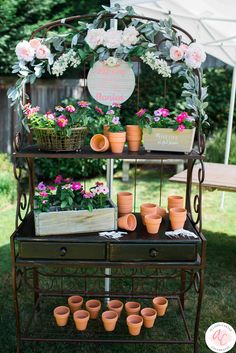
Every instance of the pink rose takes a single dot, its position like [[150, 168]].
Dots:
[[42, 52], [184, 48], [95, 37], [195, 56], [129, 36], [24, 51], [112, 39], [35, 43], [176, 53]]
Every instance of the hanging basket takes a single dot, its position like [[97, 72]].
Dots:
[[50, 140]]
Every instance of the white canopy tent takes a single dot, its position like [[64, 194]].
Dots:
[[211, 22]]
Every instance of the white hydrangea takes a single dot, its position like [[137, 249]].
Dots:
[[64, 61], [156, 64]]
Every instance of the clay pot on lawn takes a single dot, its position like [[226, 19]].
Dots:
[[117, 141], [124, 203], [133, 136], [132, 308], [127, 222], [99, 143], [149, 316], [61, 314], [115, 305], [75, 302], [147, 208], [106, 130], [109, 319], [161, 212], [93, 306], [134, 323], [153, 223], [160, 304], [177, 218], [81, 318], [175, 201]]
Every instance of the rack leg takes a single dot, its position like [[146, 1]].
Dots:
[[198, 314], [36, 287], [182, 287]]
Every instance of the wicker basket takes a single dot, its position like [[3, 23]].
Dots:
[[50, 140]]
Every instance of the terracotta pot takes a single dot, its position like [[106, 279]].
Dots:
[[117, 141], [161, 212], [128, 222], [132, 308], [175, 201], [99, 143], [134, 136], [149, 316], [160, 304], [61, 314], [115, 305], [106, 130], [109, 319], [93, 306], [81, 318], [177, 218], [147, 208], [75, 302], [134, 323], [153, 223], [124, 203]]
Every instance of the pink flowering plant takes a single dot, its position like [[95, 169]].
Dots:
[[67, 194]]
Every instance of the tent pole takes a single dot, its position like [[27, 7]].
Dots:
[[230, 126]]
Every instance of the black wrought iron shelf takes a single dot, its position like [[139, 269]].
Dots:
[[34, 152]]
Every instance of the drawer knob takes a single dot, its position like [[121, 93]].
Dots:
[[153, 253], [63, 251]]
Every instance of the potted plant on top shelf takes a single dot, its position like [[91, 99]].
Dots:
[[116, 135], [165, 131]]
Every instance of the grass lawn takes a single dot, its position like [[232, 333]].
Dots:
[[220, 286]]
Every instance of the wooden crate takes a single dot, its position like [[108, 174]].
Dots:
[[72, 222], [169, 140]]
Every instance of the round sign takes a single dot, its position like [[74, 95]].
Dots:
[[220, 337], [108, 85]]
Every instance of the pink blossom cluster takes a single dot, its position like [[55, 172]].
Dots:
[[30, 111], [70, 108], [164, 112], [99, 189], [83, 104], [194, 54], [28, 50], [141, 112]]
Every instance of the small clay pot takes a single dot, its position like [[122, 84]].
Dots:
[[132, 308], [109, 319], [177, 218], [99, 143], [160, 304], [61, 314], [147, 208], [106, 130], [149, 316], [124, 202], [115, 305], [75, 302], [161, 212], [175, 201], [81, 318], [153, 223], [93, 306], [128, 222], [134, 323], [117, 141], [133, 136]]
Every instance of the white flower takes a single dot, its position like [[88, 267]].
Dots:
[[95, 37], [176, 53], [129, 36], [24, 51], [35, 42], [195, 56], [64, 61], [156, 64], [42, 52], [111, 61], [112, 39]]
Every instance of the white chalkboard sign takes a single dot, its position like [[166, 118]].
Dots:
[[108, 85]]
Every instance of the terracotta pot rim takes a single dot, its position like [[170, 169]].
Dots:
[[61, 307], [152, 312], [96, 304], [83, 312], [133, 305], [175, 197], [110, 315], [160, 299], [153, 217], [124, 193], [131, 318], [104, 140], [112, 304], [178, 210], [72, 301], [148, 205]]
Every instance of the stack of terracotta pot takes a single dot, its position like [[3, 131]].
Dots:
[[152, 216], [126, 219], [177, 212]]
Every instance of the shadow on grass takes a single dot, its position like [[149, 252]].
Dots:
[[218, 305]]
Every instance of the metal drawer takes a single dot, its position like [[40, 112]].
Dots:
[[152, 252], [62, 251]]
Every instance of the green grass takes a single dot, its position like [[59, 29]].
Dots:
[[219, 299]]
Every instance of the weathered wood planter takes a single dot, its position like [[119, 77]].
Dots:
[[72, 222], [161, 139]]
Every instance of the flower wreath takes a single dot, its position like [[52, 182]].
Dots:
[[57, 52]]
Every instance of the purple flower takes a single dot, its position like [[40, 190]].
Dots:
[[158, 112], [190, 118], [41, 186], [110, 112], [156, 118], [116, 120]]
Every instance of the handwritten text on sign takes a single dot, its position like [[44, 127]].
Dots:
[[108, 85]]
